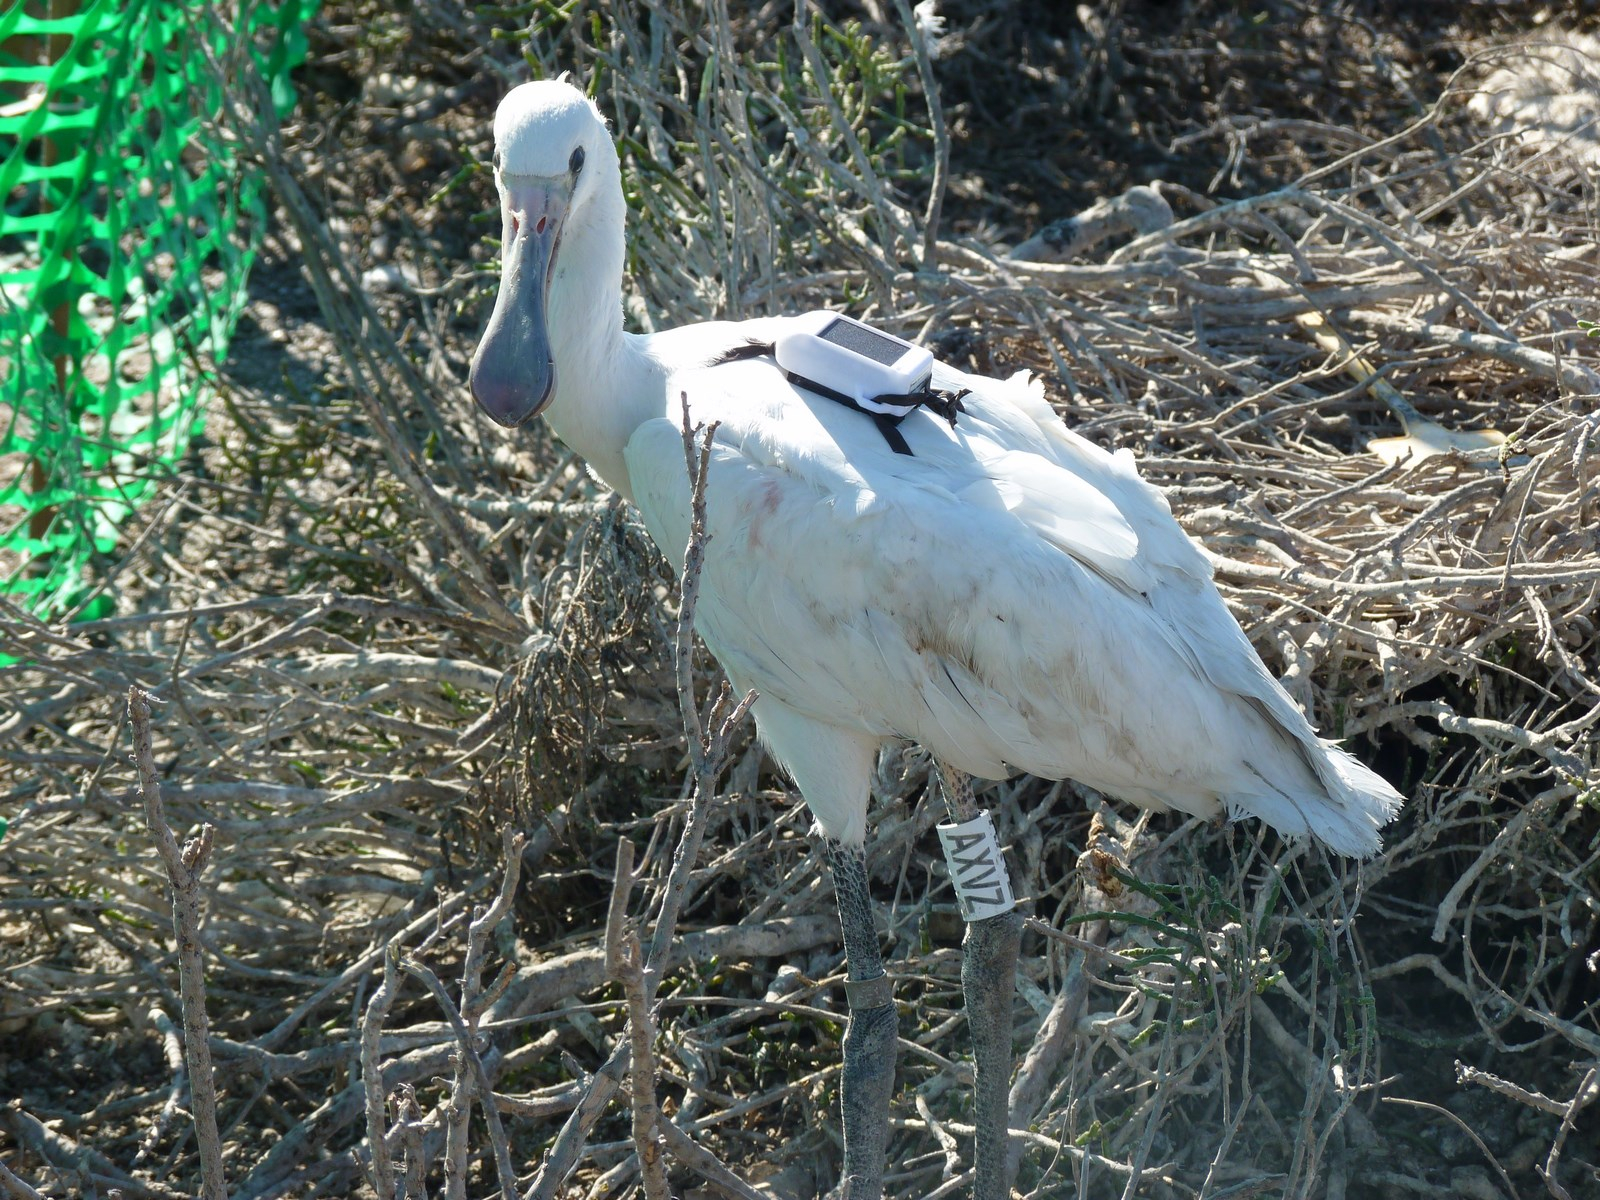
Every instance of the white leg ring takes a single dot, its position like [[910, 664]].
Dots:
[[977, 868]]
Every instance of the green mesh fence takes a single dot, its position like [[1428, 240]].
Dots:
[[126, 240]]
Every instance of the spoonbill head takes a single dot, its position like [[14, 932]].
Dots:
[[557, 176]]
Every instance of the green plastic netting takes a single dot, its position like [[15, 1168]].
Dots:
[[126, 240]]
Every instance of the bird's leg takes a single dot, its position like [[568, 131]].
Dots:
[[988, 979], [869, 1041]]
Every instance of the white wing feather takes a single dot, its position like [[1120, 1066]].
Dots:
[[1010, 596]]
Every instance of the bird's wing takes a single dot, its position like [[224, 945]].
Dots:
[[1009, 595], [1177, 579]]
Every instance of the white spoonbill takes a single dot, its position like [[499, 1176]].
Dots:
[[996, 589]]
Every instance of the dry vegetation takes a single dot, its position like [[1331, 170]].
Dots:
[[396, 652]]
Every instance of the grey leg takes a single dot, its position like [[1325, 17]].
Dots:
[[989, 983], [869, 1041]]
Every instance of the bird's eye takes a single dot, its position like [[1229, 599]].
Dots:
[[575, 163], [497, 160]]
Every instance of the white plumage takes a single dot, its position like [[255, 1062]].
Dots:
[[1009, 595]]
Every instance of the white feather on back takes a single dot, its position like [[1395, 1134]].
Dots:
[[1010, 596]]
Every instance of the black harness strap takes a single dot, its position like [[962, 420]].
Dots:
[[741, 353], [888, 424], [945, 404]]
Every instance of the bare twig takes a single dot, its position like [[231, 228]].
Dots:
[[409, 1119], [1585, 1094], [16, 1188], [563, 1155], [377, 1011], [622, 881], [708, 752], [184, 868], [172, 1048], [1522, 1095], [941, 136], [624, 965], [469, 1075], [707, 1165], [641, 1034], [697, 460]]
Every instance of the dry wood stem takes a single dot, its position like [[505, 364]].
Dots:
[[15, 1187], [377, 1011], [184, 868]]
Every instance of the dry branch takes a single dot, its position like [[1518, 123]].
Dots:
[[409, 1118], [184, 869], [641, 1034], [172, 1048], [376, 1012], [16, 1188]]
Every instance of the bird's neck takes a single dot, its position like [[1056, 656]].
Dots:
[[600, 397]]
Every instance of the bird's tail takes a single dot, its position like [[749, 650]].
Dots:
[[1321, 792], [1358, 804]]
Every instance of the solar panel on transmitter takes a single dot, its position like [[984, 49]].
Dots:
[[865, 342]]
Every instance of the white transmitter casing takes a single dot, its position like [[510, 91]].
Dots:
[[843, 355]]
